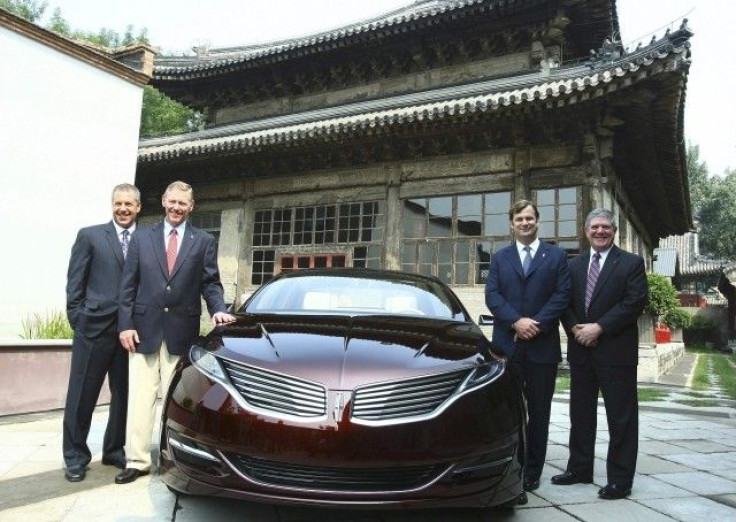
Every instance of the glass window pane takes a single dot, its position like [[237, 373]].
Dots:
[[497, 225], [445, 252], [546, 230], [567, 229], [462, 252], [567, 212], [545, 197], [440, 207], [462, 273], [568, 195], [471, 205]]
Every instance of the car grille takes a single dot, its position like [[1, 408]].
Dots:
[[406, 398], [276, 392], [395, 478]]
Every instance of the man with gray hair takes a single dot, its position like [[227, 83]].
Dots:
[[93, 283], [609, 292]]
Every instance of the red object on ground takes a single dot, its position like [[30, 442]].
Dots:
[[662, 334]]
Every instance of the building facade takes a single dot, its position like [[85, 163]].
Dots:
[[70, 117], [401, 142]]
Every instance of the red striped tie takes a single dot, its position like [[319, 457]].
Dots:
[[171, 251], [593, 273]]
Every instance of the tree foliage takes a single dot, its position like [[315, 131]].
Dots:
[[717, 216], [160, 114], [31, 10], [714, 206]]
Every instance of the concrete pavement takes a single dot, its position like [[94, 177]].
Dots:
[[686, 471]]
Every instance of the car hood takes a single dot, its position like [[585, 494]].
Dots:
[[344, 352]]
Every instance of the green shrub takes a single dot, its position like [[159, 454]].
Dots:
[[700, 322], [662, 296], [52, 325], [677, 318]]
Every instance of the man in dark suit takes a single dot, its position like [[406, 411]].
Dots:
[[170, 267], [609, 292], [528, 288], [93, 282]]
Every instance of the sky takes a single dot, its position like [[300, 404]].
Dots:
[[177, 25]]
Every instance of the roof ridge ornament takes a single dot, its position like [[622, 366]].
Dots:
[[610, 51]]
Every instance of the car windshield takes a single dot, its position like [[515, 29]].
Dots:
[[355, 295]]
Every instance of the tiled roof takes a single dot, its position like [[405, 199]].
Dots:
[[426, 12], [223, 57], [691, 262], [554, 87]]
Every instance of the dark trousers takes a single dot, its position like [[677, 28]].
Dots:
[[617, 384], [538, 381], [91, 360]]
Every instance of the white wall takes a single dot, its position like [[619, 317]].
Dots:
[[68, 134]]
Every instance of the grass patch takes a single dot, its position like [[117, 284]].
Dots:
[[52, 325], [696, 394], [703, 403], [725, 372], [701, 379], [651, 394], [563, 384]]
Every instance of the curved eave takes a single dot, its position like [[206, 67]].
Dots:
[[560, 88], [649, 151], [597, 19]]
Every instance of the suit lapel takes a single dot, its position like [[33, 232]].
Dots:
[[538, 258], [112, 239], [157, 243]]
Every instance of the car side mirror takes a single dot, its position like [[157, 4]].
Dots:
[[485, 320]]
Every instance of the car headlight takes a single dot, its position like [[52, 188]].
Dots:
[[207, 363], [483, 374]]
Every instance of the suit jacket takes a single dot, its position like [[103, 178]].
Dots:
[[618, 300], [168, 307], [93, 280], [542, 294]]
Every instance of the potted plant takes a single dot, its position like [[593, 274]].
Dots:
[[677, 320], [662, 299]]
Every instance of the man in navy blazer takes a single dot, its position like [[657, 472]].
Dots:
[[170, 267], [92, 290], [603, 351], [527, 290]]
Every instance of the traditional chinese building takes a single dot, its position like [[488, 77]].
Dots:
[[401, 141]]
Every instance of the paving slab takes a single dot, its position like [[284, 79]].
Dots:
[[699, 482], [616, 511], [704, 461], [691, 509]]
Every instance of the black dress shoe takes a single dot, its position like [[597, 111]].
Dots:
[[129, 475], [114, 461], [523, 500], [614, 492], [531, 485], [570, 477], [75, 474]]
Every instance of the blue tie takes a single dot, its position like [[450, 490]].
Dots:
[[527, 260]]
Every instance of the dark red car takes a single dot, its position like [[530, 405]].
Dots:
[[346, 387]]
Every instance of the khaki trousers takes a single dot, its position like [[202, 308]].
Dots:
[[149, 376]]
